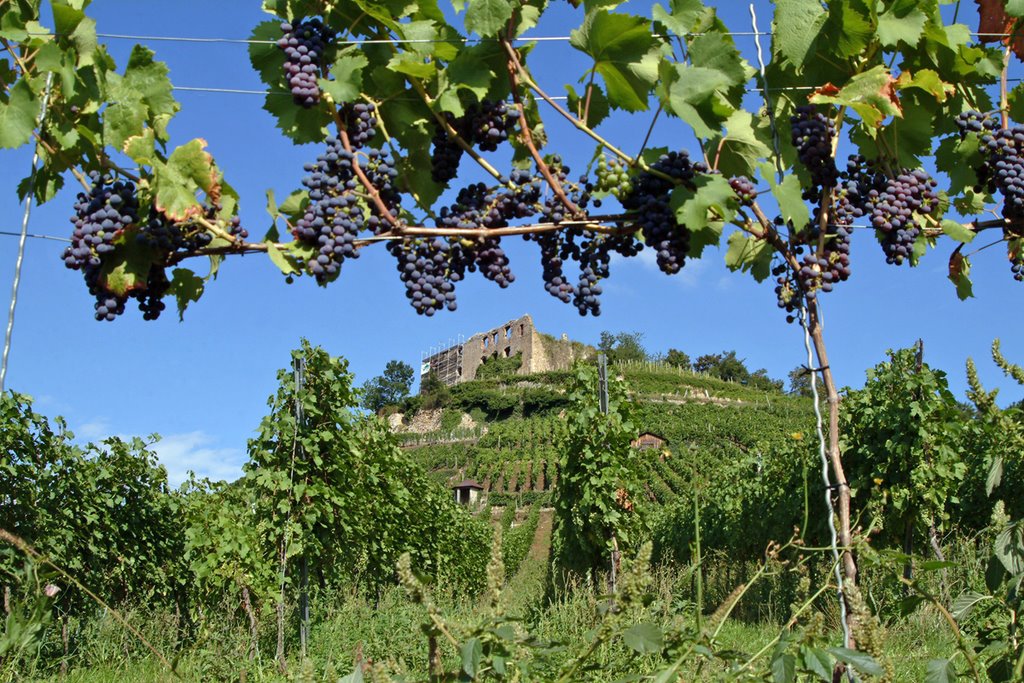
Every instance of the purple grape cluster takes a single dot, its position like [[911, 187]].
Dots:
[[429, 269], [489, 123], [304, 43], [444, 160], [108, 208], [648, 201], [745, 190], [360, 121], [485, 125], [578, 193], [812, 135], [896, 202], [334, 215]]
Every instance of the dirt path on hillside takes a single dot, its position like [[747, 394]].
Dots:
[[542, 538]]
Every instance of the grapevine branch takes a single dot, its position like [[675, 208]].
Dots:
[[542, 166], [381, 207], [452, 133]]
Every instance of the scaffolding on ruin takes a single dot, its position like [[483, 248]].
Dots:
[[444, 360]]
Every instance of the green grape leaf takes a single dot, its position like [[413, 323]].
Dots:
[[704, 211], [141, 148], [941, 671], [625, 54], [295, 204], [297, 123], [79, 29], [927, 80], [795, 29], [871, 94], [264, 54], [1015, 8], [599, 107], [18, 116], [862, 662], [959, 272], [644, 638], [347, 71], [788, 194], [850, 28], [903, 22], [283, 259], [125, 115], [958, 231], [740, 150], [186, 287], [411, 64], [682, 16], [487, 17], [1015, 100], [717, 51], [747, 253], [692, 94], [126, 269], [175, 183], [475, 67]]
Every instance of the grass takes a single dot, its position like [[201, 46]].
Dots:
[[347, 625]]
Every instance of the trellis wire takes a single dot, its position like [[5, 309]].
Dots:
[[819, 425], [415, 41], [23, 238]]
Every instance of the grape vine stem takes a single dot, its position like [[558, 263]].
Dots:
[[556, 187], [378, 203]]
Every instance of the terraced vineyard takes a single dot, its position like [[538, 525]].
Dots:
[[513, 450]]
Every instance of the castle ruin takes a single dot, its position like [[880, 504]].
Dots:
[[540, 352]]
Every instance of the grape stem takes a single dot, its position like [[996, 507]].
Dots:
[[217, 230], [378, 203], [1004, 107], [25, 71], [452, 133], [524, 76], [524, 125]]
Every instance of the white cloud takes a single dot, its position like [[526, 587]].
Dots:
[[689, 276], [197, 451], [94, 430]]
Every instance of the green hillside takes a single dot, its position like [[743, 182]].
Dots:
[[511, 451]]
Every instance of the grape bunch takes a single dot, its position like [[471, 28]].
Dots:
[[108, 208], [744, 189], [488, 124], [334, 215], [485, 125], [476, 208], [812, 135], [429, 269], [381, 172], [1003, 151], [1015, 252], [894, 200], [648, 200], [612, 177], [360, 121], [896, 207], [444, 161], [578, 193], [304, 43]]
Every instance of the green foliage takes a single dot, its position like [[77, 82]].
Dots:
[[678, 359], [903, 433], [433, 392], [596, 492], [800, 382], [623, 346], [496, 367], [389, 388]]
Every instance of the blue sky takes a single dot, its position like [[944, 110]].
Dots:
[[203, 383]]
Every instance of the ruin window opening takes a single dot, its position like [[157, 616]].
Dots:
[[508, 332]]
